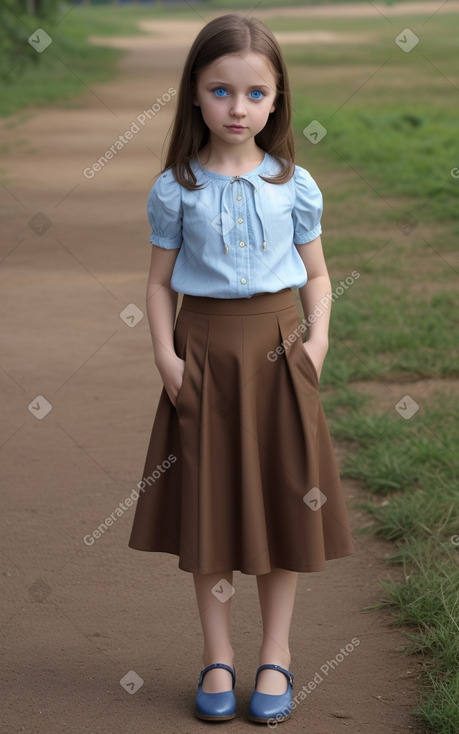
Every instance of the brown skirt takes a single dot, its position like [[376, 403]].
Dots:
[[241, 475]]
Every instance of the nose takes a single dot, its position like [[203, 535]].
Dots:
[[238, 108]]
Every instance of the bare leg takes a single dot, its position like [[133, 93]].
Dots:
[[276, 591], [215, 622]]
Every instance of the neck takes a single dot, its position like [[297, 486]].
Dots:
[[233, 160]]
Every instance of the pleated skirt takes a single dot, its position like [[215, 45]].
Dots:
[[241, 474]]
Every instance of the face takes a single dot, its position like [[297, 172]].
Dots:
[[237, 89]]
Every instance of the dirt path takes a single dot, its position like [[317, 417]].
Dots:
[[172, 36], [77, 618]]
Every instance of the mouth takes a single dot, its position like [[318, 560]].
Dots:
[[235, 127]]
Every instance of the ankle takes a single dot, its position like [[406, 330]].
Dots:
[[218, 680], [223, 655], [276, 658]]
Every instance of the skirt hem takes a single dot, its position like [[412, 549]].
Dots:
[[311, 568]]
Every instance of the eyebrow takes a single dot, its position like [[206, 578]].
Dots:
[[253, 86]]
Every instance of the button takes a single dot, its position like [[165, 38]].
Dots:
[[240, 220], [241, 244], [243, 281], [239, 197]]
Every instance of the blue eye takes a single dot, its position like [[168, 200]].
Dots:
[[222, 92]]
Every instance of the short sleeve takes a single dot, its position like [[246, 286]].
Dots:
[[164, 207], [308, 208]]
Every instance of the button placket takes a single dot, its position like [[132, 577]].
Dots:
[[237, 239], [242, 237]]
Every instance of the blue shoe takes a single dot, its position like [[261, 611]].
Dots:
[[216, 706], [266, 707]]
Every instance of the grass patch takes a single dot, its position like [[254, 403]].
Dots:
[[427, 602], [391, 116], [385, 166], [407, 152], [410, 469], [391, 214], [70, 64], [380, 330], [404, 455]]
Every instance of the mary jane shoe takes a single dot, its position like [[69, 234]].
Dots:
[[216, 706], [266, 707]]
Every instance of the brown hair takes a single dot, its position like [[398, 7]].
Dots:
[[224, 35]]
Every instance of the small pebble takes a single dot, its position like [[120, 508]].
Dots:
[[341, 715]]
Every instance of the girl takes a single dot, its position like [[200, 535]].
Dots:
[[240, 472]]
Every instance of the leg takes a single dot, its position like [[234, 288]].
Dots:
[[276, 591], [215, 622]]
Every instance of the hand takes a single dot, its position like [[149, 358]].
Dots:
[[171, 369], [316, 352]]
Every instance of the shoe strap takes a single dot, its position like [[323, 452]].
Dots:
[[270, 666], [217, 665]]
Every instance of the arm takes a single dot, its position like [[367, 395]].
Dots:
[[161, 301], [318, 287]]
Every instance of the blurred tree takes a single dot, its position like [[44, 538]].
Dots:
[[18, 20], [40, 8]]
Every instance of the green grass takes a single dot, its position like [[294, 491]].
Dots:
[[391, 214], [391, 203], [407, 152], [392, 115], [410, 469], [401, 454], [65, 70], [427, 602], [380, 330]]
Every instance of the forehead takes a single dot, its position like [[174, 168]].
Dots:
[[247, 67]]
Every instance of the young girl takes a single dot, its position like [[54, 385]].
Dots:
[[240, 472]]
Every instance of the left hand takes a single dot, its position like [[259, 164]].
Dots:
[[316, 353]]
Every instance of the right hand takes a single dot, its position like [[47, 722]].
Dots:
[[171, 369]]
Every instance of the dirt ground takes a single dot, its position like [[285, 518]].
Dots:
[[79, 395]]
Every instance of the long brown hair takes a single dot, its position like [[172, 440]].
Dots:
[[229, 34]]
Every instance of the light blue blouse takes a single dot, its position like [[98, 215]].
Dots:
[[236, 236]]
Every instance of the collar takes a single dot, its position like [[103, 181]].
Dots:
[[252, 180]]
